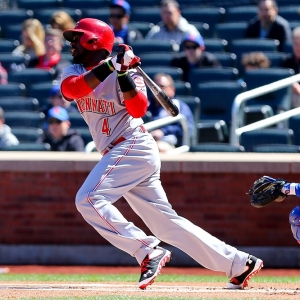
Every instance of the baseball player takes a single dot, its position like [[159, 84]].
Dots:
[[111, 97], [267, 189]]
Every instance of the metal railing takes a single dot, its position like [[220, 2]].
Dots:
[[158, 124], [235, 131]]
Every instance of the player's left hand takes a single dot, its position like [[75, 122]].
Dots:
[[124, 59]]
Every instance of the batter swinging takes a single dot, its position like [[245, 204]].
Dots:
[[111, 97]]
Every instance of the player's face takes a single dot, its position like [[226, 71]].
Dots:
[[77, 51]]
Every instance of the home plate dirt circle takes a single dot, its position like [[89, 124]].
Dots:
[[15, 290]]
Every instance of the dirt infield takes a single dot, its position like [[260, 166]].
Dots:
[[17, 290]]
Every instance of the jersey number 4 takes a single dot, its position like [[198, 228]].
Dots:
[[105, 127]]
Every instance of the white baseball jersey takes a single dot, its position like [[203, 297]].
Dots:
[[104, 110]]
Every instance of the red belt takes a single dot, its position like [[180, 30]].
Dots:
[[118, 141]]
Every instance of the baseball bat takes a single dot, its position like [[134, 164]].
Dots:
[[159, 94]]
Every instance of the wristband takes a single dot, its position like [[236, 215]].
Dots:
[[102, 71], [126, 82]]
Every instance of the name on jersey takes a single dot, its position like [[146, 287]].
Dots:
[[99, 106]]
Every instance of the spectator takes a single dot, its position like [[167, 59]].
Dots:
[[59, 135], [33, 36], [169, 136], [193, 56], [3, 75], [61, 20], [292, 61], [52, 58], [269, 25], [6, 137], [173, 26], [255, 60], [119, 22]]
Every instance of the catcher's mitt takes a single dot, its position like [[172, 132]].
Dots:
[[266, 190]]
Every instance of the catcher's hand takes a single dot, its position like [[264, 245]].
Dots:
[[266, 190]]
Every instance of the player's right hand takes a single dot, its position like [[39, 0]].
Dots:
[[124, 59]]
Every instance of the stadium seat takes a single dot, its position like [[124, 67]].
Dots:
[[143, 27], [43, 15], [249, 139], [256, 113], [144, 3], [175, 73], [216, 147], [18, 103], [203, 28], [77, 120], [96, 13], [240, 13], [156, 58], [14, 16], [289, 12], [41, 91], [40, 4], [85, 134], [8, 45], [146, 14], [146, 46], [13, 31], [226, 59], [27, 147], [210, 15], [217, 99], [27, 135], [211, 131], [279, 100], [294, 124], [201, 75], [215, 45], [275, 58], [230, 31], [91, 4], [182, 88], [274, 148], [30, 76], [294, 24], [288, 47], [8, 61], [12, 89], [24, 119], [147, 117]]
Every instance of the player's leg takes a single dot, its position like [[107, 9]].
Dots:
[[149, 201]]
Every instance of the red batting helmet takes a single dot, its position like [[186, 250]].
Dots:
[[95, 34]]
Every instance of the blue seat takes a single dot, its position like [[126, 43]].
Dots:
[[294, 124], [182, 88], [13, 31], [230, 30], [77, 120], [279, 100], [175, 73], [30, 76], [217, 99], [146, 46], [194, 105], [249, 139], [43, 15], [24, 119], [210, 15], [144, 3], [288, 47], [96, 13], [28, 134], [254, 113], [202, 75], [85, 134], [274, 148], [27, 147], [215, 45], [8, 45], [203, 28], [226, 59], [211, 131], [12, 89], [143, 27], [146, 14], [289, 12], [33, 4], [275, 58], [84, 4], [156, 58], [8, 61], [41, 91], [19, 103], [216, 147], [14, 16], [240, 13]]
